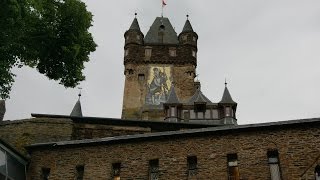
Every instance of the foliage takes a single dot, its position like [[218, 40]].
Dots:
[[50, 35]]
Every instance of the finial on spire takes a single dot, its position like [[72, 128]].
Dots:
[[135, 14], [225, 82], [80, 88], [187, 16]]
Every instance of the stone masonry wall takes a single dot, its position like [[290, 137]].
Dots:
[[298, 148]]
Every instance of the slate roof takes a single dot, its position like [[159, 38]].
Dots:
[[173, 98], [76, 111], [185, 133], [198, 97], [187, 27], [226, 98], [169, 34], [135, 25]]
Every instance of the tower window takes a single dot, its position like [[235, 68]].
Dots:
[[141, 77], [228, 111], [173, 52], [80, 172], [317, 172], [138, 37], [273, 160], [45, 173], [194, 38], [126, 52], [194, 53], [116, 167], [148, 52], [233, 170], [185, 37], [154, 169], [192, 165]]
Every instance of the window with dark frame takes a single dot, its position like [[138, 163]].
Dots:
[[154, 169], [192, 165], [116, 169], [273, 160], [45, 173], [80, 172], [233, 169], [141, 77]]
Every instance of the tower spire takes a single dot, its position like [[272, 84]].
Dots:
[[77, 111]]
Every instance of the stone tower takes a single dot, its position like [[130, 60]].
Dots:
[[159, 77], [153, 63]]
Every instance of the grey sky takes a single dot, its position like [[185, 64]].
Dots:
[[268, 50]]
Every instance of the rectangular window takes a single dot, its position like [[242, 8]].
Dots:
[[215, 114], [233, 169], [208, 114], [173, 52], [141, 77], [192, 165], [80, 172], [273, 160], [192, 114], [194, 53], [173, 111], [126, 52], [228, 111], [186, 115], [148, 52], [154, 169], [200, 115], [116, 168], [45, 173]]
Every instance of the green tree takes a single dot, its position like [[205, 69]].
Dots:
[[49, 35]]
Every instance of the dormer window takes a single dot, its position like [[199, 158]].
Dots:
[[228, 111], [173, 52], [127, 37]]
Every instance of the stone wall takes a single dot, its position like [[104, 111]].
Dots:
[[298, 147]]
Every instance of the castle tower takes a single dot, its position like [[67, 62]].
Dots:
[[152, 63]]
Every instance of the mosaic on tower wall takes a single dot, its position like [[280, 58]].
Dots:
[[158, 84]]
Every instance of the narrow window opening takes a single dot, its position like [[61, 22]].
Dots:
[[141, 77], [116, 167], [185, 37], [192, 165], [126, 52], [154, 169], [45, 173], [233, 170], [80, 172], [317, 172], [273, 160], [173, 52], [148, 52], [194, 38], [228, 111], [194, 53]]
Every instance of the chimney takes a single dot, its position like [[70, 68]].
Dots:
[[2, 109]]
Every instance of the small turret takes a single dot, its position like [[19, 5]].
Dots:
[[134, 34], [172, 107], [77, 111], [228, 107], [188, 36]]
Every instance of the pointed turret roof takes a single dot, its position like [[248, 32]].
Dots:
[[161, 25], [173, 98], [226, 98], [199, 97], [77, 111], [135, 25], [187, 27]]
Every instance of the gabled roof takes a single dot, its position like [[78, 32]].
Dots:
[[76, 111], [135, 25], [226, 98], [198, 97], [173, 98], [187, 27], [169, 34]]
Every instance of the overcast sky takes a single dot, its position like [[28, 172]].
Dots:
[[267, 49]]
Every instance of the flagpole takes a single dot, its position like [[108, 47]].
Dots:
[[162, 8]]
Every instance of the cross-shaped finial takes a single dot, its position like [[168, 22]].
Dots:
[[225, 82]]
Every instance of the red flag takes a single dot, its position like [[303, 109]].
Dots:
[[164, 3]]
